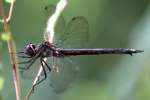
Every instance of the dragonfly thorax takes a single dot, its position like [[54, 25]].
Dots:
[[49, 50]]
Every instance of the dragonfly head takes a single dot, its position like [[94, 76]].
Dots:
[[30, 50]]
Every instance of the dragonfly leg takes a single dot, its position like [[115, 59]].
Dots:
[[30, 62], [20, 52], [47, 65], [25, 62], [45, 74], [23, 56]]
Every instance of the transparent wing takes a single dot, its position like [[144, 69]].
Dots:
[[49, 10], [63, 74], [76, 33], [32, 71], [60, 25]]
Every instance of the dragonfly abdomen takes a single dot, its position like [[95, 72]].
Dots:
[[75, 52]]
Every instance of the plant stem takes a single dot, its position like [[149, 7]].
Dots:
[[11, 51]]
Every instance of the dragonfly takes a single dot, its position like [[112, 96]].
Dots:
[[68, 42]]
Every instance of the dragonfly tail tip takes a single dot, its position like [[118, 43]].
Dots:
[[139, 51]]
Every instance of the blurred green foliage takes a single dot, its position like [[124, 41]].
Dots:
[[113, 23]]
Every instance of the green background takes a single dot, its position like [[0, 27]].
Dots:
[[113, 23]]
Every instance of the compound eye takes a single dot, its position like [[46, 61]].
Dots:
[[30, 50]]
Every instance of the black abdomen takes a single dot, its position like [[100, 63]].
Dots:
[[75, 52]]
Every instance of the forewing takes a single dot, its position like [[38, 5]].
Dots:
[[60, 24], [76, 33]]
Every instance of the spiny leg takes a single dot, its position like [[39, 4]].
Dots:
[[46, 65], [45, 75], [24, 62], [31, 61], [23, 68], [24, 56], [20, 52]]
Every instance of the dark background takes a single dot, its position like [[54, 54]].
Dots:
[[113, 23]]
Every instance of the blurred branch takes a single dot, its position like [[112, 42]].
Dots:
[[11, 50], [50, 29], [10, 12], [49, 36]]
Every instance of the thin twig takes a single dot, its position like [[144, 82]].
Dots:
[[10, 11], [9, 14], [11, 48], [50, 29]]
